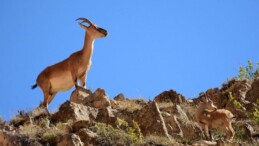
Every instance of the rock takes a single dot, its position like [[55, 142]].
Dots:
[[119, 97], [100, 99], [87, 136], [70, 140], [105, 115], [151, 121], [76, 126], [237, 88], [253, 93], [75, 112], [180, 125], [79, 95], [170, 96], [12, 139], [114, 103]]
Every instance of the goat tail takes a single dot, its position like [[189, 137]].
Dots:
[[34, 86]]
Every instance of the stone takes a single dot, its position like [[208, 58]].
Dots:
[[151, 121], [170, 96], [119, 97], [79, 95], [75, 112], [87, 136], [70, 140], [105, 115]]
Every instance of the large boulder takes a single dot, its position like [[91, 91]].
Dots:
[[151, 121], [253, 94], [79, 95], [170, 96], [98, 99], [75, 112], [179, 124], [105, 115], [87, 136]]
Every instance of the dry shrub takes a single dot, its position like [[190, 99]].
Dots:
[[130, 105], [111, 136]]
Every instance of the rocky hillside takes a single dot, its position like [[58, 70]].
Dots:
[[95, 119]]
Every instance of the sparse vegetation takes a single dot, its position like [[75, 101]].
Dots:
[[240, 133], [256, 116], [154, 140], [249, 72], [165, 105], [236, 103], [111, 136], [130, 105], [133, 130], [178, 119]]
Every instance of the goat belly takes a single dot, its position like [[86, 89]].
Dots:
[[62, 82]]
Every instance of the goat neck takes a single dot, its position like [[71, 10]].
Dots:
[[87, 50]]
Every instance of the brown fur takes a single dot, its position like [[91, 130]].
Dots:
[[210, 117], [65, 74]]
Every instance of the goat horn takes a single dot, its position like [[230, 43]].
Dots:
[[85, 20]]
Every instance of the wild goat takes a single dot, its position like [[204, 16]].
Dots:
[[65, 74], [209, 117]]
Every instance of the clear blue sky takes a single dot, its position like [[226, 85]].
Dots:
[[185, 45]]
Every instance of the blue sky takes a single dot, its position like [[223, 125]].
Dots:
[[152, 46]]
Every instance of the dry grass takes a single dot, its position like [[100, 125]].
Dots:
[[111, 136], [155, 140], [130, 105], [165, 105]]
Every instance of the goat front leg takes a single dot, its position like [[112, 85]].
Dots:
[[207, 133], [74, 77], [83, 80]]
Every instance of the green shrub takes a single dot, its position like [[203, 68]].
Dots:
[[240, 133], [111, 136], [256, 116], [248, 72], [133, 131], [236, 103]]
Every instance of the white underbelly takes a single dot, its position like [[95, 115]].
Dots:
[[62, 82]]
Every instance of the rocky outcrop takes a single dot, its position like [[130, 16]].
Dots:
[[151, 121], [98, 99], [253, 94], [92, 119], [75, 112], [170, 96], [119, 97]]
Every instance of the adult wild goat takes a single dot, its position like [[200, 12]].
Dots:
[[65, 74], [209, 117]]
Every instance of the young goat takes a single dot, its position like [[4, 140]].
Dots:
[[209, 117], [65, 74]]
